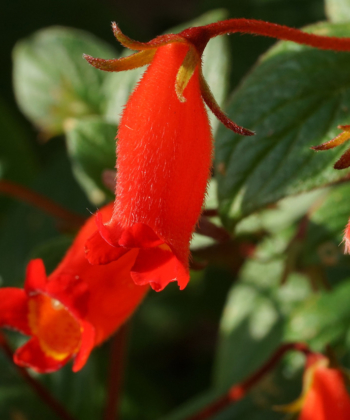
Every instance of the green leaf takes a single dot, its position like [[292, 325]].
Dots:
[[283, 214], [91, 148], [338, 10], [53, 82], [323, 319], [294, 98], [254, 317], [325, 230], [215, 67]]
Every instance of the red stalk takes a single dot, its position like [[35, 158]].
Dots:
[[43, 394], [37, 200], [237, 392], [258, 27], [116, 373]]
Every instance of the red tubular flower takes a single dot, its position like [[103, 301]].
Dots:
[[73, 309], [324, 395], [164, 158], [165, 146]]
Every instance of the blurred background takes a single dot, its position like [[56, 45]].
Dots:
[[173, 337]]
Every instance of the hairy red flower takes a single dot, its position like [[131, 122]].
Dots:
[[164, 158], [165, 146], [73, 309], [324, 394]]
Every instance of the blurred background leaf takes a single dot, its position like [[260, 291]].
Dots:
[[338, 10], [91, 147], [53, 82]]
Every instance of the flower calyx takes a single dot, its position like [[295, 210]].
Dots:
[[344, 161], [196, 40]]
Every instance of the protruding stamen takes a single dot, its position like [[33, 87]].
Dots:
[[216, 110], [185, 72], [133, 61]]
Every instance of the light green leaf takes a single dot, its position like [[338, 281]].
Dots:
[[53, 82], [324, 235], [323, 319], [91, 148], [255, 314], [294, 98], [338, 10]]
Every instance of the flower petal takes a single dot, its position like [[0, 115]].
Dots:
[[87, 344], [36, 278], [139, 235], [72, 292], [158, 267], [14, 309], [98, 251], [31, 355]]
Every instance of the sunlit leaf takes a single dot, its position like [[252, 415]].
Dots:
[[338, 10], [91, 148], [294, 98], [53, 82]]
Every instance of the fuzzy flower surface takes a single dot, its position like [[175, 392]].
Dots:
[[164, 148], [164, 154], [72, 310]]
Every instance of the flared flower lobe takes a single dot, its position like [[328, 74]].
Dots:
[[74, 309]]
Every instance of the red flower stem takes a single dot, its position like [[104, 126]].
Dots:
[[259, 27], [43, 394], [37, 200], [116, 373], [237, 392], [210, 212], [274, 30]]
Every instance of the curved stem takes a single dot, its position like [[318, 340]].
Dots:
[[259, 27], [273, 30], [43, 394], [238, 391], [37, 200]]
